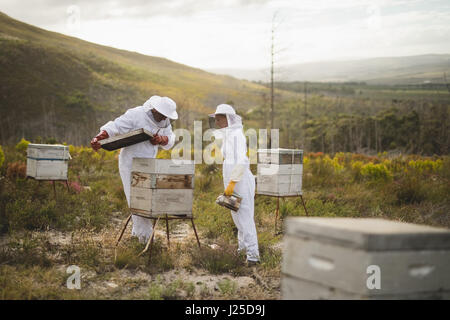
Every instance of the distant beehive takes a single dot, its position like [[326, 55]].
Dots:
[[363, 258], [161, 186], [279, 172], [47, 161]]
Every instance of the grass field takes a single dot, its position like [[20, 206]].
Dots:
[[41, 236]]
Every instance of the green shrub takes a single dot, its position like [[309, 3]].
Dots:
[[376, 172], [2, 157], [35, 283], [227, 287], [204, 182], [409, 190], [25, 206], [425, 166], [22, 146], [127, 258], [155, 291], [444, 171], [356, 168], [222, 260], [322, 171], [85, 253], [322, 166], [31, 215], [171, 291], [26, 250], [270, 255]]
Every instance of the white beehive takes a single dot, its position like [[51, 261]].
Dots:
[[333, 258], [279, 172], [162, 186], [47, 161]]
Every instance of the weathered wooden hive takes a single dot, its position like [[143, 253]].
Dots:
[[47, 161], [343, 258], [162, 186], [279, 172]]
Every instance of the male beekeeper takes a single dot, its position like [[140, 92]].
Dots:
[[237, 177], [155, 116]]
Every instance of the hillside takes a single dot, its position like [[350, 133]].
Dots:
[[388, 70], [52, 85]]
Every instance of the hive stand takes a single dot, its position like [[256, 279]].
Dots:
[[278, 204], [278, 199], [149, 243], [278, 208], [53, 182]]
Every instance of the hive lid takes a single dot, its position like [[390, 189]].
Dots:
[[47, 146], [369, 233], [280, 150]]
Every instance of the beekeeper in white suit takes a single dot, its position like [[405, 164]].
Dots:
[[154, 116], [237, 177]]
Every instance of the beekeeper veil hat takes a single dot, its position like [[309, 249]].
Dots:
[[163, 105], [233, 119]]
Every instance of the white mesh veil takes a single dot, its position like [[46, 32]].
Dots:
[[234, 120]]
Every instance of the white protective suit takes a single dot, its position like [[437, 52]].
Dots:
[[133, 119], [236, 167]]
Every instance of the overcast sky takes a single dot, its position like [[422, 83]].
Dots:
[[236, 33]]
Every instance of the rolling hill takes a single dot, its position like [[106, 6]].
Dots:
[[52, 85], [389, 70]]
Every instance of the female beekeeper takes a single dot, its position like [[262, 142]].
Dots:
[[238, 177], [154, 116]]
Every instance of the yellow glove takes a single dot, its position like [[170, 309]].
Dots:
[[230, 188]]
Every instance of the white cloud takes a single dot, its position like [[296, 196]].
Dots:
[[236, 33]]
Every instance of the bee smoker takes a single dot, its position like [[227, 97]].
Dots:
[[232, 202]]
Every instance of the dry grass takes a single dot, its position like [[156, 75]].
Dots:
[[36, 249]]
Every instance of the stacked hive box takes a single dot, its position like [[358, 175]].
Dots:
[[47, 162], [161, 186], [341, 258], [279, 172]]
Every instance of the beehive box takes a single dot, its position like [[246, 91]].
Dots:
[[280, 156], [162, 186], [47, 162], [279, 172], [332, 258]]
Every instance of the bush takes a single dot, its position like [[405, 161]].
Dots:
[[26, 207], [22, 146], [26, 250], [409, 190], [2, 157], [222, 260], [227, 287], [16, 170], [425, 166], [127, 258], [356, 168], [204, 182], [161, 290], [30, 215], [322, 166], [86, 253], [376, 172]]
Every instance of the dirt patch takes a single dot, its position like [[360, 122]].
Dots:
[[102, 279]]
